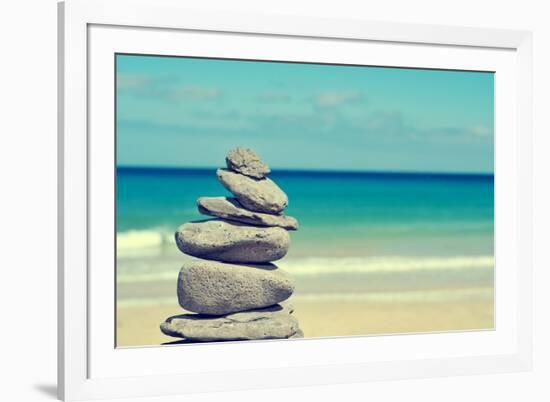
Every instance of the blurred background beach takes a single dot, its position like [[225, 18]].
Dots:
[[375, 253], [388, 170]]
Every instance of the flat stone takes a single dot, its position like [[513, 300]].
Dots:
[[221, 240], [298, 334], [247, 162], [257, 195], [216, 288], [274, 322], [230, 208]]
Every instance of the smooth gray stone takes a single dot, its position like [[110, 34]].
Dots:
[[230, 208], [216, 288], [298, 334], [274, 322], [221, 240], [257, 195], [247, 162]]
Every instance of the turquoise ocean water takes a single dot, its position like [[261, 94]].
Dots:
[[358, 231]]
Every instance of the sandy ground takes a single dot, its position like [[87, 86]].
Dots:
[[139, 325]]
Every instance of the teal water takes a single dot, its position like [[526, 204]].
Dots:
[[344, 210], [359, 232]]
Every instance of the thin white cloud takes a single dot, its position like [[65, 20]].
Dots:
[[165, 88], [195, 93], [274, 97], [131, 81], [335, 98]]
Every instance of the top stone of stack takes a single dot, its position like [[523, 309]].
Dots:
[[247, 162]]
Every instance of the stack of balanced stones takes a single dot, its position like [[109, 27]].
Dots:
[[231, 284]]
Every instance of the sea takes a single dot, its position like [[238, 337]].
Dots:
[[362, 235]]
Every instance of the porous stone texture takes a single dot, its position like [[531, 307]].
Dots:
[[231, 209], [247, 162], [274, 322], [256, 195], [216, 288], [230, 290], [298, 334], [221, 240]]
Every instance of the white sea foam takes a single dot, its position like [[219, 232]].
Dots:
[[146, 242], [422, 296], [317, 267], [383, 264], [154, 241]]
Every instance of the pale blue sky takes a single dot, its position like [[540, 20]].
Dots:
[[188, 112]]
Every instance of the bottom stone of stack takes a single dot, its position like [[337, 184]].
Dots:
[[274, 322]]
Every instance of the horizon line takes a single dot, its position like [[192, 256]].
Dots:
[[305, 170]]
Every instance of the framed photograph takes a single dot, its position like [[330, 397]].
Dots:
[[252, 201]]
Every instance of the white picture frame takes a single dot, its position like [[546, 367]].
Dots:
[[90, 367]]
